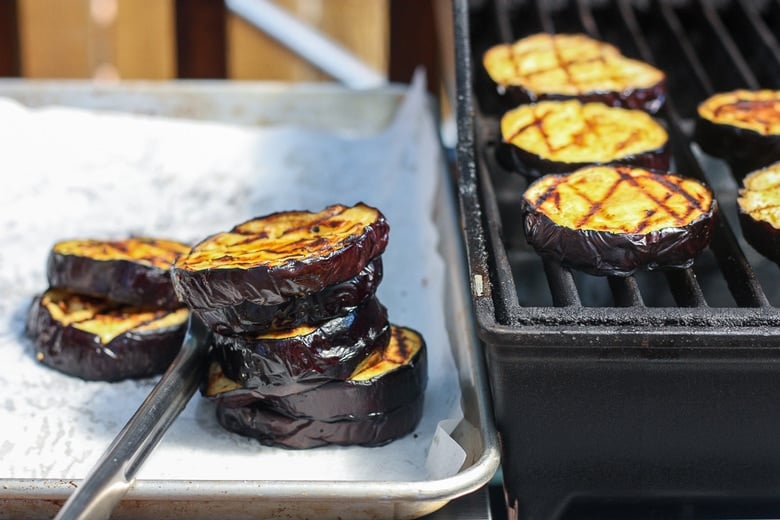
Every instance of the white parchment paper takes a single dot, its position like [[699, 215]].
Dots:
[[74, 173]]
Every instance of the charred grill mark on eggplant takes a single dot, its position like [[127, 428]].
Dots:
[[96, 339], [280, 256], [135, 271], [592, 219], [562, 136], [741, 127], [546, 66]]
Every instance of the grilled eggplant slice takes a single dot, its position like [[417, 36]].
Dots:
[[96, 339], [562, 136], [564, 66], [135, 271], [742, 127], [759, 210], [613, 220], [387, 379], [269, 259], [290, 361], [333, 301], [274, 429]]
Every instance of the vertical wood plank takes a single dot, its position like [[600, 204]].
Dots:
[[54, 38], [361, 27], [201, 43], [145, 43], [253, 55], [413, 41], [9, 39]]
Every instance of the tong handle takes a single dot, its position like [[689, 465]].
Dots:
[[114, 473]]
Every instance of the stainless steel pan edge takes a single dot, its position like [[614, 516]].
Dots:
[[41, 498]]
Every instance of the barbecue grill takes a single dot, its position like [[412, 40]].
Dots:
[[664, 384]]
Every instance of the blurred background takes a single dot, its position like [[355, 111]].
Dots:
[[167, 39]]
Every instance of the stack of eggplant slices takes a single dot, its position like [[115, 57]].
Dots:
[[303, 353]]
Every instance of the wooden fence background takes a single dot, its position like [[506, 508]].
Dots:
[[137, 39]]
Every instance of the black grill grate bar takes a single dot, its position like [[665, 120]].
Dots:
[[685, 288], [503, 21], [587, 20], [625, 292], [673, 21], [766, 35], [712, 16], [562, 285]]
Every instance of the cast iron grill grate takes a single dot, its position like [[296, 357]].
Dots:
[[731, 296]]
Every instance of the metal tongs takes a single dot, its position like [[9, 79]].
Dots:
[[114, 473]]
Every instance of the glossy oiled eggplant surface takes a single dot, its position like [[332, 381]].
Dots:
[[559, 66], [759, 210], [385, 380], [293, 360], [97, 339], [612, 220], [333, 301], [562, 136], [741, 127], [135, 271], [269, 259], [275, 429]]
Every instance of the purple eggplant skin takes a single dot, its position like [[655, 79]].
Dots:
[[335, 300], [132, 355], [122, 281], [275, 284], [283, 366], [650, 99], [603, 253], [343, 400], [743, 149], [761, 235], [275, 429], [532, 166]]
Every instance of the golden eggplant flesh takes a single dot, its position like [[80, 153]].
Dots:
[[565, 66], [333, 301], [562, 136], [741, 127], [759, 210], [293, 360], [613, 220], [135, 271], [271, 258], [97, 339], [387, 379]]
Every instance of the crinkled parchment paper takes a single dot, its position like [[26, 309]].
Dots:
[[75, 173]]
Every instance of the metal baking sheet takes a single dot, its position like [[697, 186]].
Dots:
[[327, 108]]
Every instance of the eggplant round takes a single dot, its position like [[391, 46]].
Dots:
[[568, 66], [269, 259], [96, 339], [741, 127], [333, 301], [759, 210], [135, 271], [274, 429], [387, 379], [563, 136], [614, 220], [290, 361]]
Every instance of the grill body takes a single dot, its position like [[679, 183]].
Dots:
[[658, 386]]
